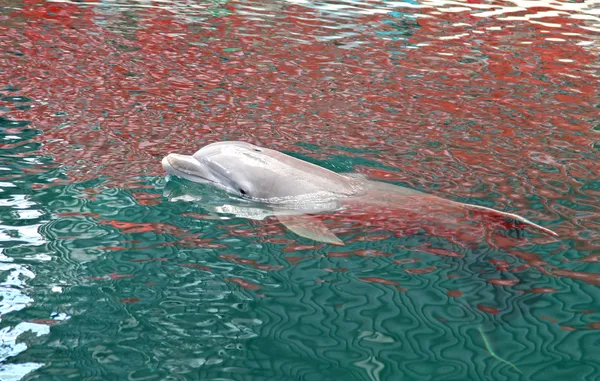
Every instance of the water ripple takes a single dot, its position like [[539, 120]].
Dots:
[[489, 103]]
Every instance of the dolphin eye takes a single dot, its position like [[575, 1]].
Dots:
[[242, 191], [257, 149]]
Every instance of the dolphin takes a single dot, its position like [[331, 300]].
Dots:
[[265, 182]]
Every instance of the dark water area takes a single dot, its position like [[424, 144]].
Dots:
[[102, 277]]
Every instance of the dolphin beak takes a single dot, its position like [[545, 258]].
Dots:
[[184, 166]]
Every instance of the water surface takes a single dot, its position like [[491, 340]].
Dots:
[[103, 278]]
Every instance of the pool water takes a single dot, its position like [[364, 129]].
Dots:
[[104, 276]]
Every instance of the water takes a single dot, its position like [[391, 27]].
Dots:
[[104, 278]]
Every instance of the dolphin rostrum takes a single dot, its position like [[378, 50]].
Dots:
[[275, 184]]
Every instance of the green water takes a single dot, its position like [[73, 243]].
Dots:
[[84, 299]]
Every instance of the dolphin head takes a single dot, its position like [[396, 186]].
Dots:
[[257, 173]]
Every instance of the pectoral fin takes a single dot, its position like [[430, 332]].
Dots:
[[309, 227]]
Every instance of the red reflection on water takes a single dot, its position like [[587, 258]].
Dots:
[[371, 237], [379, 280], [500, 265], [297, 259], [147, 199], [251, 262], [137, 227], [338, 270], [78, 214], [45, 321], [503, 282], [440, 252], [113, 248], [542, 290], [243, 283], [591, 258], [591, 278], [192, 240], [454, 293], [489, 310], [295, 247], [531, 259], [405, 261], [371, 253], [130, 300], [424, 270], [120, 276], [520, 268]]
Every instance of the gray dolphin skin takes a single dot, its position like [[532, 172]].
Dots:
[[291, 189]]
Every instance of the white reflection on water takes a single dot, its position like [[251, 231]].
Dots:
[[9, 348], [12, 284], [14, 300], [585, 14], [585, 10]]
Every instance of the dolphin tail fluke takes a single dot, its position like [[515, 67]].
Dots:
[[310, 227], [515, 217]]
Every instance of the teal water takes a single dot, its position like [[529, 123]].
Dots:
[[102, 277], [153, 298]]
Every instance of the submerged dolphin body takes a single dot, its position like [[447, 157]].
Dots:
[[270, 183]]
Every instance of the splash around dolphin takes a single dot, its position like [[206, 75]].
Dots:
[[272, 183]]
